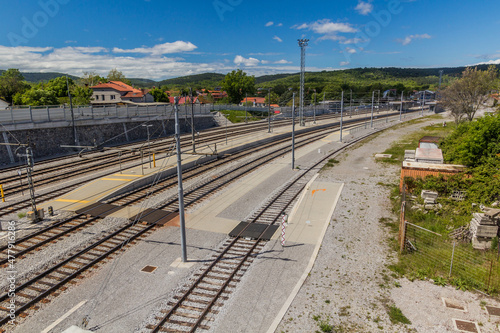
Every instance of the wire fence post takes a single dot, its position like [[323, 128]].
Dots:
[[452, 256], [402, 222]]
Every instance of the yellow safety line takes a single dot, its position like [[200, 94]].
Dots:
[[118, 179], [124, 175], [68, 200]]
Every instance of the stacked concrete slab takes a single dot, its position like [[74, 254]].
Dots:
[[484, 227], [430, 198]]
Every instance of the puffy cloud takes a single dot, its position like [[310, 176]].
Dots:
[[76, 60], [278, 39], [270, 23], [239, 60], [344, 63], [364, 8], [327, 27], [408, 39], [165, 48]]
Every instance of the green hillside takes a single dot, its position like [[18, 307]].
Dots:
[[206, 80], [42, 77]]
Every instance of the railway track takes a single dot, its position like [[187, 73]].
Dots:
[[195, 306], [63, 269], [54, 232]]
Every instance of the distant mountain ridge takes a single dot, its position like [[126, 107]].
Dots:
[[214, 79]]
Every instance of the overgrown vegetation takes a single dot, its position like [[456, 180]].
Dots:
[[476, 145], [239, 116], [397, 317]]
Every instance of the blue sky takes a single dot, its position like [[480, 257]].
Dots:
[[160, 39]]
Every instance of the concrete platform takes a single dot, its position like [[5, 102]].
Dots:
[[125, 180], [311, 216]]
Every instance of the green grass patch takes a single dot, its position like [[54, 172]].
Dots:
[[410, 142], [235, 116], [21, 215], [396, 316]]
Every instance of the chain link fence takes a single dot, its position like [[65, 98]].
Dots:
[[427, 254]]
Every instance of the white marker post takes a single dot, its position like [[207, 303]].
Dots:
[[283, 226]]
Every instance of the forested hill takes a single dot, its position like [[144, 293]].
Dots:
[[42, 77], [365, 76]]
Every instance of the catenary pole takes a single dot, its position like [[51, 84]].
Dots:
[[179, 180]]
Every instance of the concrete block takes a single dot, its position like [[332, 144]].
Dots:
[[429, 194], [481, 243], [486, 231]]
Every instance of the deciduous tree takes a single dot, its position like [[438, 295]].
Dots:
[[237, 84], [465, 95], [11, 83], [116, 75]]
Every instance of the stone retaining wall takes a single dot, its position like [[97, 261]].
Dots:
[[48, 140]]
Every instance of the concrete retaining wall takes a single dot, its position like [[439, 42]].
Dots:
[[48, 139]]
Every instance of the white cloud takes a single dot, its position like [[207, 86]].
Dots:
[[165, 48], [240, 60], [344, 63], [76, 60], [279, 24], [364, 8], [270, 23], [326, 26], [408, 39], [282, 61], [70, 42], [278, 39], [354, 41], [491, 62], [350, 50]]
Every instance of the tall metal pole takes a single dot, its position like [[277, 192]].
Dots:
[[341, 114], [314, 120], [293, 132], [72, 113], [179, 180], [269, 113], [302, 43], [401, 108], [192, 120], [373, 102], [423, 102], [350, 105], [246, 101], [29, 169]]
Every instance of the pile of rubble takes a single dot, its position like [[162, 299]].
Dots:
[[484, 227]]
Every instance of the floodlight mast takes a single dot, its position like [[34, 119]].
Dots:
[[302, 44]]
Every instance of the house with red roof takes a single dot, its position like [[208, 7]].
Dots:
[[185, 100], [119, 93], [256, 101]]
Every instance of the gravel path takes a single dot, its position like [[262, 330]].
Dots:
[[350, 286]]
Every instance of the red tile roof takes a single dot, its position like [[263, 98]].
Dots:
[[183, 100], [257, 100], [117, 85]]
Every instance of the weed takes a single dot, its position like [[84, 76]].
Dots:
[[440, 281], [21, 215], [325, 327], [327, 301], [397, 316], [397, 284], [316, 317]]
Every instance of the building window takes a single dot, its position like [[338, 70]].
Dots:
[[113, 96], [96, 97], [103, 97]]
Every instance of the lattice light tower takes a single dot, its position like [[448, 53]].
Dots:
[[302, 43]]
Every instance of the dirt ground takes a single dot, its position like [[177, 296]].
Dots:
[[350, 288]]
